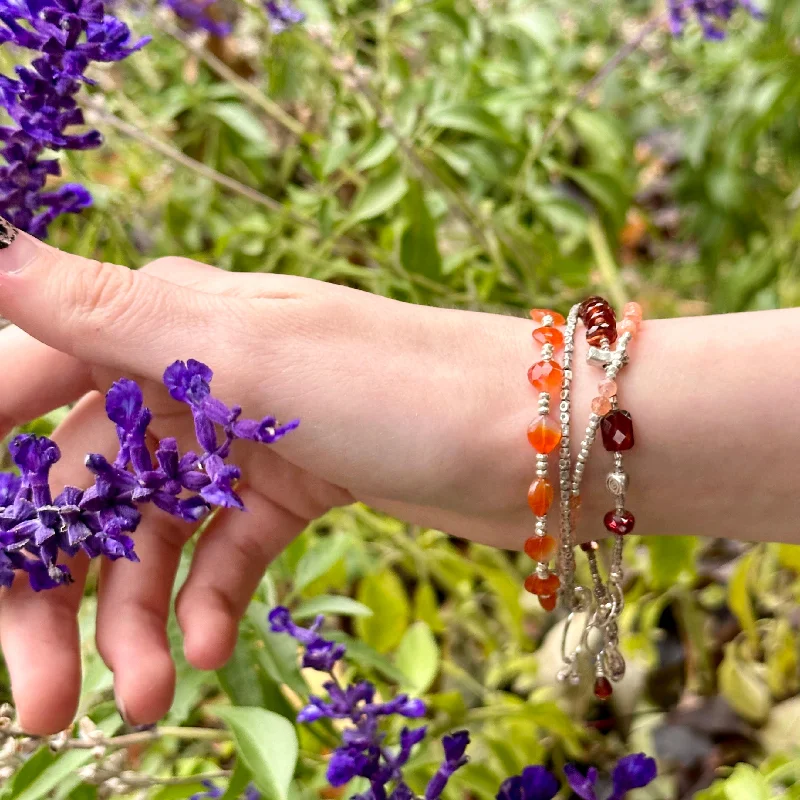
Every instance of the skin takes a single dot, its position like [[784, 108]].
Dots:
[[419, 412]]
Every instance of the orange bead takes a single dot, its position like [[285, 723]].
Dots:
[[544, 434], [601, 406], [607, 388], [540, 496], [546, 376], [540, 548], [542, 587], [548, 601], [627, 325], [538, 314], [551, 336], [632, 311]]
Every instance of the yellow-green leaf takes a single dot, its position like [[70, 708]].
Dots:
[[385, 594]]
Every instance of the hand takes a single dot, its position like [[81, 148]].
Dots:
[[416, 411]]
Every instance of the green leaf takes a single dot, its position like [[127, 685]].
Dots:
[[379, 196], [321, 558], [742, 686], [739, 598], [746, 783], [671, 558], [426, 606], [366, 656], [385, 594], [789, 556], [377, 152], [418, 657], [238, 678], [242, 120], [469, 118], [29, 771], [330, 604], [267, 743], [419, 249]]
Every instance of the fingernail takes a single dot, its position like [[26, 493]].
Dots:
[[17, 249], [121, 708]]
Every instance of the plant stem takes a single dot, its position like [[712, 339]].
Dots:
[[609, 271]]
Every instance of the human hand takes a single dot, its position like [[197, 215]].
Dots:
[[413, 410]]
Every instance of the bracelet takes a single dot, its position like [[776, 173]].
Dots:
[[600, 637], [544, 435]]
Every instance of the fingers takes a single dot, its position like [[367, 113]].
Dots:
[[38, 631], [50, 379], [106, 314], [229, 561], [132, 612]]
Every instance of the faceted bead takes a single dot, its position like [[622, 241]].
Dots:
[[544, 434], [627, 326], [595, 334], [607, 388], [632, 311], [603, 688], [546, 376], [542, 586], [617, 430], [548, 601], [589, 547], [540, 548], [540, 497], [591, 304], [601, 406], [619, 521], [538, 314], [551, 336]]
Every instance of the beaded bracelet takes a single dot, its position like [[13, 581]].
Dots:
[[617, 431], [544, 434]]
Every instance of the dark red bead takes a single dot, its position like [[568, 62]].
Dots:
[[596, 333], [590, 303], [617, 431], [603, 688], [619, 521]]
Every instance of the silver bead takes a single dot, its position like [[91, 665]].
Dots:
[[547, 321], [542, 570], [617, 483]]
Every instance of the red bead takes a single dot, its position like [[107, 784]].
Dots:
[[540, 548], [592, 303], [540, 498], [546, 376], [599, 331], [619, 522], [544, 434], [551, 336], [548, 601], [617, 430], [542, 587], [538, 314], [603, 688]]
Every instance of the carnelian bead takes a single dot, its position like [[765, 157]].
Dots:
[[546, 376], [602, 330], [542, 586], [540, 548], [538, 314], [627, 326], [548, 601], [632, 311], [601, 406], [551, 336], [540, 496], [544, 434], [603, 688]]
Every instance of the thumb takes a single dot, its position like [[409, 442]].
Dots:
[[104, 314]]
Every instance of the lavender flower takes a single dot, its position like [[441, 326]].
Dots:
[[535, 783], [35, 528], [708, 13], [455, 745], [282, 14], [196, 13], [631, 772], [67, 36]]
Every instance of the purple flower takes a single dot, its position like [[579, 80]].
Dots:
[[709, 14], [9, 487], [455, 745], [282, 14], [66, 36], [535, 783], [213, 792], [196, 13], [631, 772]]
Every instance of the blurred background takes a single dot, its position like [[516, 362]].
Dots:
[[490, 155]]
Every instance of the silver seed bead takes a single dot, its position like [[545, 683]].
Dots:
[[547, 351], [542, 570], [541, 526], [547, 321]]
